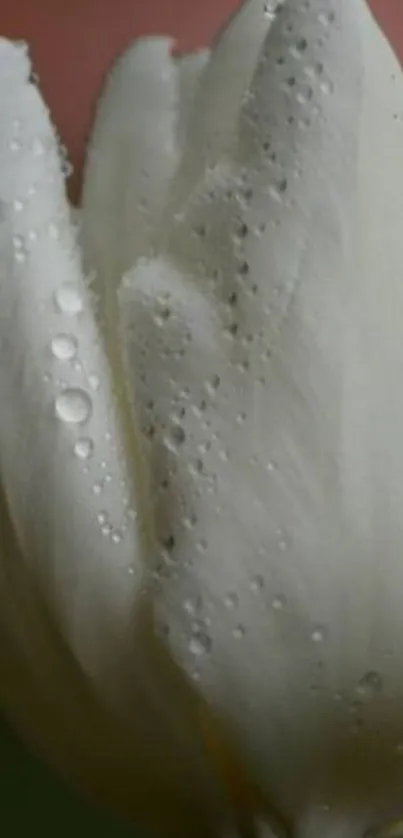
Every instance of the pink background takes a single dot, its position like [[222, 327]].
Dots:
[[74, 41]]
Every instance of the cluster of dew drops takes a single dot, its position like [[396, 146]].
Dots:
[[72, 405]]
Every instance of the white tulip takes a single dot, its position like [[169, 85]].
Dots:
[[200, 430]]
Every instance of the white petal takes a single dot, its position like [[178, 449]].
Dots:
[[62, 462], [222, 87], [105, 702], [131, 159], [191, 67], [282, 486]]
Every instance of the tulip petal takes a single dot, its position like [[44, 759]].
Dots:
[[191, 67], [120, 719], [223, 85], [62, 463], [131, 159], [278, 451]]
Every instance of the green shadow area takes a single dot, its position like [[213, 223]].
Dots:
[[35, 802]]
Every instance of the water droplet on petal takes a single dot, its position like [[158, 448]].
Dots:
[[73, 406], [94, 382], [84, 448], [106, 529], [178, 434], [279, 602], [271, 8], [318, 635], [102, 518], [116, 537], [38, 148], [231, 601], [64, 347], [256, 584], [200, 644], [68, 299], [190, 606], [238, 632], [370, 684], [54, 231]]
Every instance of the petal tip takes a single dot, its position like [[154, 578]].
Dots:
[[14, 60]]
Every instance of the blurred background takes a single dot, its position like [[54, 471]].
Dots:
[[73, 43]]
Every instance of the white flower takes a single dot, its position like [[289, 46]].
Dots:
[[201, 429]]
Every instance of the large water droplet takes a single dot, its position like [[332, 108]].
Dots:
[[68, 299], [64, 347], [73, 406], [84, 448]]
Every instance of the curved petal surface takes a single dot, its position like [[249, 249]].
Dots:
[[275, 419]]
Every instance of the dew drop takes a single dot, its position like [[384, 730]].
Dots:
[[279, 602], [73, 406], [53, 231], [318, 635], [213, 385], [97, 488], [190, 606], [117, 537], [18, 205], [84, 448], [256, 584], [15, 145], [370, 684], [178, 435], [68, 299], [231, 601], [64, 347], [38, 148], [271, 8], [94, 382], [200, 644], [102, 518], [106, 529], [238, 632]]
